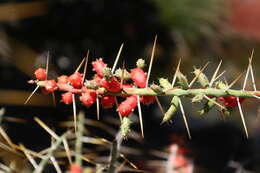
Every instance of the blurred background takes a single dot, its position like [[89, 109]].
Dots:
[[195, 31]]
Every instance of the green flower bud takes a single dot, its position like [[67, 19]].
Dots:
[[202, 78], [157, 89], [119, 74], [173, 108], [182, 80], [107, 73], [227, 111], [197, 98], [91, 84], [125, 126], [207, 106], [221, 85], [165, 83]]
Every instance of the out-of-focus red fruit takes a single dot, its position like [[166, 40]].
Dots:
[[75, 168], [220, 99], [40, 74], [67, 98], [108, 101], [76, 80], [231, 101], [50, 86], [63, 79]]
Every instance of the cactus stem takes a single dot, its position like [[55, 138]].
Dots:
[[197, 76]]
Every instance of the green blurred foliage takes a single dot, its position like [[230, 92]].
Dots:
[[192, 19]]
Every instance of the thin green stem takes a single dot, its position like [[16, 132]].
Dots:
[[79, 134], [178, 92], [53, 148], [191, 92], [114, 155]]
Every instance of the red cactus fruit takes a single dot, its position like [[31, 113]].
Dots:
[[139, 77], [97, 79], [63, 79], [220, 99], [88, 98], [50, 86], [75, 168], [40, 74], [98, 66], [112, 86], [67, 98], [231, 101], [108, 101], [127, 107], [76, 80], [147, 99]]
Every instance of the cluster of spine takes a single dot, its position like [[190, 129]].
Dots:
[[106, 86]]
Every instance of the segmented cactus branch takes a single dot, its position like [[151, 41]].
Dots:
[[108, 84], [176, 91]]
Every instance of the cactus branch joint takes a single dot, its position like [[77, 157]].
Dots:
[[108, 84]]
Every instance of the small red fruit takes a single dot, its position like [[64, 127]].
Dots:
[[147, 99], [88, 98], [139, 77], [63, 79], [97, 79], [231, 101], [76, 80], [98, 66], [127, 107], [220, 99], [67, 98], [112, 86], [108, 101], [40, 74], [50, 86], [75, 168]]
